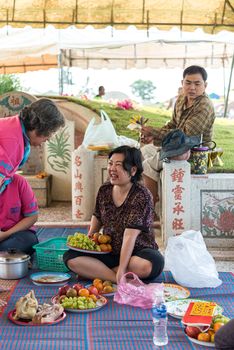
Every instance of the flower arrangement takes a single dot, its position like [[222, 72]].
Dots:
[[125, 104], [137, 122]]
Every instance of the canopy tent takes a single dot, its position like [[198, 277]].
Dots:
[[27, 49], [212, 16], [150, 54], [34, 49]]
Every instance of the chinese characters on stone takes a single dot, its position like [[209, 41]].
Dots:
[[78, 188], [178, 193]]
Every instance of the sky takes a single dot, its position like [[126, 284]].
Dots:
[[166, 81]]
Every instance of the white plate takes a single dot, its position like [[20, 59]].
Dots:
[[86, 250], [54, 279], [203, 343], [174, 292], [105, 294], [54, 299], [178, 308]]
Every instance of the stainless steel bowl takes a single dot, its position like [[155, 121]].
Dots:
[[13, 264]]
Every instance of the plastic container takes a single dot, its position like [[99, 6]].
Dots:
[[199, 160], [159, 314], [49, 254]]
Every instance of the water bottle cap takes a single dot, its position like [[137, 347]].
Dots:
[[159, 311]]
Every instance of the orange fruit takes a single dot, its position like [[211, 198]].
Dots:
[[218, 325], [104, 247], [108, 238], [99, 286], [103, 239], [83, 292], [204, 337], [109, 247], [96, 281]]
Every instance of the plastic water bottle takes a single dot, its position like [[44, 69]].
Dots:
[[159, 314]]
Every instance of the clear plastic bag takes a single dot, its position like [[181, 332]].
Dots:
[[189, 261], [101, 134], [132, 291]]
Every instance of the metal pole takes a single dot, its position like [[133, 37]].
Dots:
[[229, 87], [60, 73]]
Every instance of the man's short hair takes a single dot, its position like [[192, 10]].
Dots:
[[195, 70]]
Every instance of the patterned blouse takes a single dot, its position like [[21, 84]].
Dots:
[[136, 212]]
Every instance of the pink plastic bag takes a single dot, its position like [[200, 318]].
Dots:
[[136, 293]]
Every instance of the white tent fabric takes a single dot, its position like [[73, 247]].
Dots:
[[150, 54], [33, 49]]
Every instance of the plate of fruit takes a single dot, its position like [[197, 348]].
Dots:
[[206, 337], [79, 299], [106, 288], [98, 244]]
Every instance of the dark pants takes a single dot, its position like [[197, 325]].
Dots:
[[22, 240], [224, 338], [110, 260]]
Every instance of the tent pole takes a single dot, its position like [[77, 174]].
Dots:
[[60, 73], [224, 82], [229, 87]]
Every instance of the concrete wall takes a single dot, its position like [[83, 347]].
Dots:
[[206, 204]]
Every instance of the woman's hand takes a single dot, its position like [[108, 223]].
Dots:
[[90, 234], [120, 274]]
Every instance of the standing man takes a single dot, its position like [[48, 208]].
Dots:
[[193, 114]]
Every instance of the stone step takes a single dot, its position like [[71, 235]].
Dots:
[[220, 243], [222, 254]]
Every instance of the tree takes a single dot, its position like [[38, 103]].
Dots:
[[8, 83], [143, 89]]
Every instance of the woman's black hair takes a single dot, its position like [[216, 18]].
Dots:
[[43, 116], [132, 157]]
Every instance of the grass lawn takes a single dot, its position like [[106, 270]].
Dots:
[[223, 128]]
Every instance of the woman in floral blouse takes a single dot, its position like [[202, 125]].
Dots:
[[124, 210]]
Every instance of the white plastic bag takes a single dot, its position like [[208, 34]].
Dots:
[[123, 140], [190, 262], [102, 134]]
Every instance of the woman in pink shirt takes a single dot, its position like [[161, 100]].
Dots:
[[34, 125], [18, 213]]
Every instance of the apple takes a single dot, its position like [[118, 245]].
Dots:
[[192, 331], [93, 290], [77, 287], [95, 237], [63, 290]]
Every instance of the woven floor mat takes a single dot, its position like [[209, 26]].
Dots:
[[7, 287]]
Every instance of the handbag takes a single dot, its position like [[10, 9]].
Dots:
[[132, 291]]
